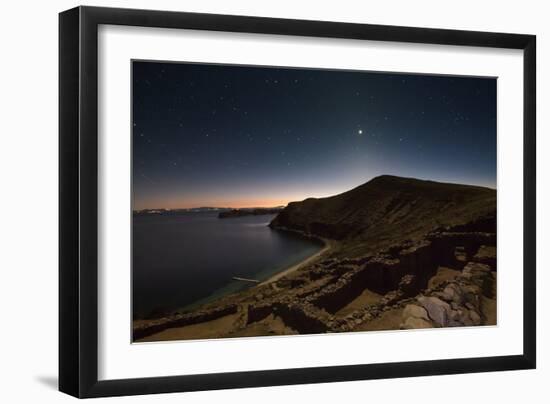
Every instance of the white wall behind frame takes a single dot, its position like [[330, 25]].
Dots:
[[119, 359], [28, 167]]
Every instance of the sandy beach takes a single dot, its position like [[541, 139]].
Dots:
[[328, 244]]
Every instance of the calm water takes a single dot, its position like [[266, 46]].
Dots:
[[191, 258]]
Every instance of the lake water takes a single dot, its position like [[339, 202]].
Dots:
[[188, 259]]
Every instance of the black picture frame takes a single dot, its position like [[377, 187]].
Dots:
[[78, 206]]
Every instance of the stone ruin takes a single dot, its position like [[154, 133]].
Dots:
[[400, 274]]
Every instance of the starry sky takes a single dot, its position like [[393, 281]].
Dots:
[[250, 136]]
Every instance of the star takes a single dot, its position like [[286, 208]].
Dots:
[[360, 131]]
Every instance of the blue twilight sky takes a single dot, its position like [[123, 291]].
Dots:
[[238, 136]]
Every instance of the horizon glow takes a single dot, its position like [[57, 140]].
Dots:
[[233, 136]]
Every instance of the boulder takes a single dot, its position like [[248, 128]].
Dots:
[[452, 293], [474, 316], [437, 309], [412, 310], [414, 322]]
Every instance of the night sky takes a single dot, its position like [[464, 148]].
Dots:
[[239, 136]]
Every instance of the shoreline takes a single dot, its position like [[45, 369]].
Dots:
[[327, 245]]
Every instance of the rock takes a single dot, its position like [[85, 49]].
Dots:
[[447, 294], [460, 254], [487, 255], [414, 322], [407, 285], [412, 310], [474, 316], [470, 297], [465, 318], [437, 309], [476, 267], [470, 288], [391, 297], [452, 293], [454, 315]]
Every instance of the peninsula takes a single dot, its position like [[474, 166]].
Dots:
[[249, 212]]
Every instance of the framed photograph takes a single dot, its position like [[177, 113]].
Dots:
[[251, 201]]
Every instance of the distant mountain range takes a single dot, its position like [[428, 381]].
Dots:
[[249, 212], [223, 212], [163, 211]]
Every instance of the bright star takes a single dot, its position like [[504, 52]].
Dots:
[[360, 131]]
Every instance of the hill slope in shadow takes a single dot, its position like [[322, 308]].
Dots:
[[389, 210]]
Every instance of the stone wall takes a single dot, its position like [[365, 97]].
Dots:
[[180, 320], [384, 273]]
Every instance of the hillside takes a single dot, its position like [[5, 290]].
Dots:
[[389, 210]]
